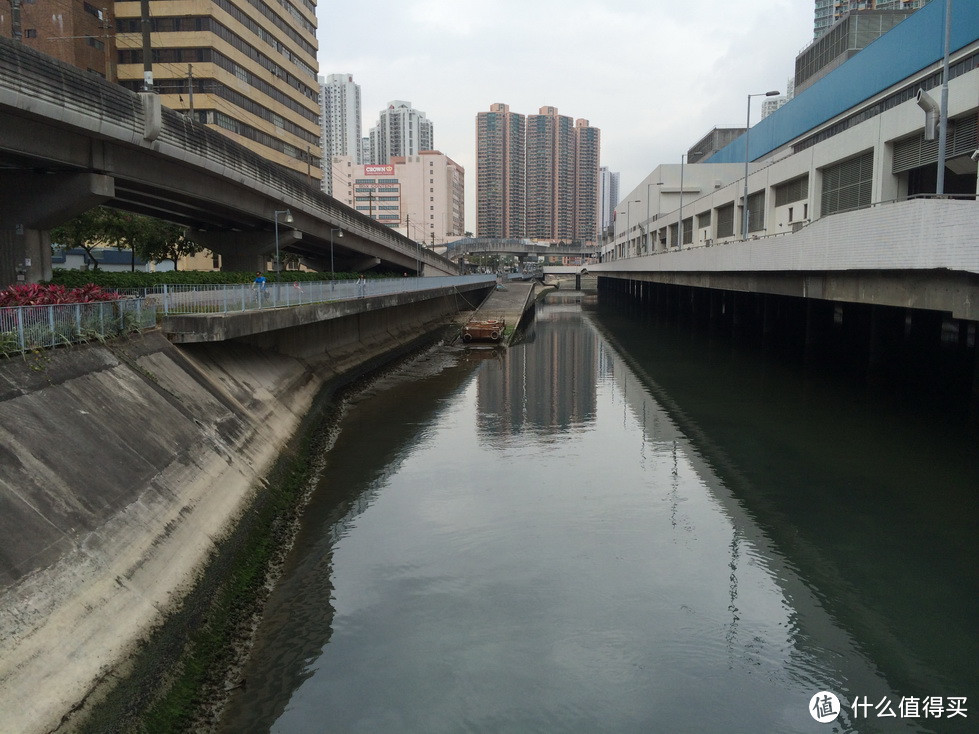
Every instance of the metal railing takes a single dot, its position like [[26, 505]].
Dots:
[[237, 297], [26, 328]]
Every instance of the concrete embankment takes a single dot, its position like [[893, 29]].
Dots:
[[122, 468]]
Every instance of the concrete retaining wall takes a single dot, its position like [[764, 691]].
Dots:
[[121, 468]]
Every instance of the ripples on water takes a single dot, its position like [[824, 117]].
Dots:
[[569, 537]]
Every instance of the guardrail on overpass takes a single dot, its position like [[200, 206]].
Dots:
[[63, 125]]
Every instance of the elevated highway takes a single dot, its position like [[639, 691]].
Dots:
[[71, 141]]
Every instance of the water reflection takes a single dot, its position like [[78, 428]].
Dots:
[[572, 536], [547, 388]]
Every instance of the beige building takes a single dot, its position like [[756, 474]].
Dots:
[[422, 196], [245, 68]]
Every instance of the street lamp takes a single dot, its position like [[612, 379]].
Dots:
[[287, 218], [340, 234], [747, 129], [680, 227]]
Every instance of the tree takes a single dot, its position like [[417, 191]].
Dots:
[[88, 230], [151, 239], [154, 239]]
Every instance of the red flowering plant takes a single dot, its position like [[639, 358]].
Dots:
[[34, 294]]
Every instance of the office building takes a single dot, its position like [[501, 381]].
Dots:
[[247, 69], [421, 196], [854, 142], [401, 130], [78, 33], [340, 113], [828, 12], [501, 173], [841, 41]]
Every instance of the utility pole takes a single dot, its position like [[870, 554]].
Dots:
[[144, 11], [190, 88]]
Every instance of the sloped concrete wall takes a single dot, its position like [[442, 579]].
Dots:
[[121, 468]]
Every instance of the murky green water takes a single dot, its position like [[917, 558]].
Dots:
[[617, 527]]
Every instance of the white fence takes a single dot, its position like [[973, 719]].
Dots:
[[189, 299], [26, 328]]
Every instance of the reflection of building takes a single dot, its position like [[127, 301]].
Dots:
[[548, 383], [422, 195], [340, 112]]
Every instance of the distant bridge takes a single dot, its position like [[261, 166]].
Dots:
[[71, 140], [520, 247]]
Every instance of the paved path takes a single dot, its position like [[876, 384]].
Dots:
[[509, 304]]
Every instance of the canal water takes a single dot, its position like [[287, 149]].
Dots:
[[622, 526]]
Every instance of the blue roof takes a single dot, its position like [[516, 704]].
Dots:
[[909, 47]]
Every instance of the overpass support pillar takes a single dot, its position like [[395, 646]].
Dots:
[[30, 205], [245, 252]]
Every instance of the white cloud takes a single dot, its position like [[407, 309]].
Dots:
[[654, 75]]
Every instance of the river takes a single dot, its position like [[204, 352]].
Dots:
[[624, 526]]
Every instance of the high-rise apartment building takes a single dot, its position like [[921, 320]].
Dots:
[[245, 68], [550, 175], [78, 33], [608, 194], [422, 196], [401, 130], [555, 167], [587, 212], [340, 114], [827, 12], [501, 173]]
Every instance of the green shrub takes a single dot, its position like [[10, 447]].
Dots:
[[78, 278]]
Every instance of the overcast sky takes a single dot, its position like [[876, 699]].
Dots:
[[653, 75]]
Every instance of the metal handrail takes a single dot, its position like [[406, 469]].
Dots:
[[239, 297], [28, 328]]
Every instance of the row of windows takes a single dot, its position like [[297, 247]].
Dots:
[[239, 15], [900, 97], [208, 55], [212, 86], [209, 24], [213, 117]]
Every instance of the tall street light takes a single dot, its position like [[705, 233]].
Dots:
[[680, 226], [339, 234], [287, 218], [747, 130]]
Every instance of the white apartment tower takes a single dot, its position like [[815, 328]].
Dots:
[[608, 185], [401, 130], [341, 119]]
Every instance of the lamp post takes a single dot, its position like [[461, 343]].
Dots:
[[747, 130], [287, 218], [680, 226], [339, 234]]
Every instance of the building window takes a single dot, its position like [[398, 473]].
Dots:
[[30, 33], [92, 10], [848, 185]]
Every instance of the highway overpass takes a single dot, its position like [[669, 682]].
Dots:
[[72, 141]]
